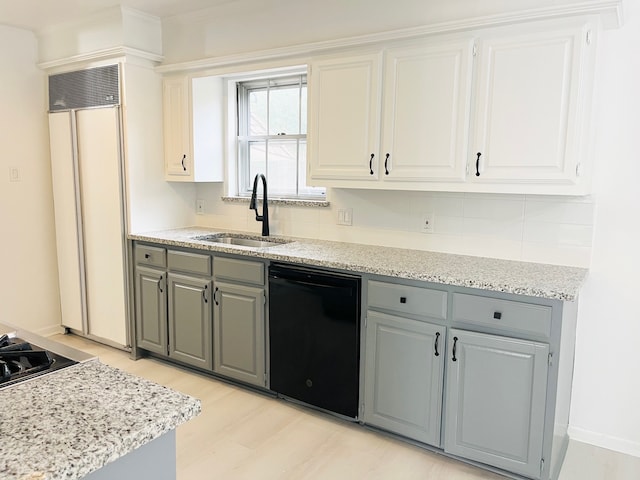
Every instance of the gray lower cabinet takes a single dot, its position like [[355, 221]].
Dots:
[[404, 376], [151, 298], [173, 296], [239, 320], [239, 332], [190, 336], [151, 309], [495, 400]]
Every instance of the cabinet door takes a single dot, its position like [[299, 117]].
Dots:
[[344, 112], [495, 400], [427, 91], [151, 309], [177, 130], [529, 106], [190, 320], [239, 332], [404, 376]]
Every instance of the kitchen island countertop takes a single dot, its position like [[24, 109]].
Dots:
[[509, 276], [70, 423]]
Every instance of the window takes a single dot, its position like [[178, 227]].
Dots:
[[272, 136]]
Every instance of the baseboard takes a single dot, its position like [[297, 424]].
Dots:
[[50, 330], [605, 441]]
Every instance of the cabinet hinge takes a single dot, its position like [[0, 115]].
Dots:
[[266, 379], [550, 359], [365, 322], [541, 465], [579, 170], [588, 37], [264, 298], [361, 413]]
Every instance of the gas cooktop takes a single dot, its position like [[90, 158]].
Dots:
[[21, 360]]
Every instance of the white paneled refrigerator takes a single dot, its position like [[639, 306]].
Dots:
[[88, 190]]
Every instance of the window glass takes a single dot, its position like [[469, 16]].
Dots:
[[272, 136]]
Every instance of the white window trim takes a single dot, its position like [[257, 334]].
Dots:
[[232, 163]]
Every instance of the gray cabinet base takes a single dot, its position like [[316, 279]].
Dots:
[[156, 459]]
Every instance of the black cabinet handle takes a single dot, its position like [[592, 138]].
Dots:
[[497, 315], [371, 164], [435, 346], [204, 294], [147, 255], [455, 344], [215, 299], [478, 164], [160, 283], [184, 167], [403, 299], [386, 160]]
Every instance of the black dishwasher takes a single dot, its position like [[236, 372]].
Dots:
[[314, 337]]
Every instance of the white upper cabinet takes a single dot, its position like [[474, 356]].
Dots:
[[193, 128], [427, 91], [410, 127], [529, 108], [518, 96], [344, 119]]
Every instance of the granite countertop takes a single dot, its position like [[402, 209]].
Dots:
[[522, 278], [67, 424]]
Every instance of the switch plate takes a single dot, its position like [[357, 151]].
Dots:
[[345, 216], [426, 222], [14, 174], [200, 207]]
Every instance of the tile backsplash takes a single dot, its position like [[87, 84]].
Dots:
[[547, 229]]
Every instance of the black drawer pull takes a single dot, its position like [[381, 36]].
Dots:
[[147, 255], [497, 315], [403, 299]]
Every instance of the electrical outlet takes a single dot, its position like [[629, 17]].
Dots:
[[426, 222], [200, 207], [345, 216]]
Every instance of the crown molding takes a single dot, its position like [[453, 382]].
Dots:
[[101, 55], [609, 11]]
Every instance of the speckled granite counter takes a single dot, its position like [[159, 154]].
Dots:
[[77, 420], [523, 278]]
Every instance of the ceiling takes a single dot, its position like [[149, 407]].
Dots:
[[37, 14]]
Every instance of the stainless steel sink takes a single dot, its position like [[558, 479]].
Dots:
[[241, 240]]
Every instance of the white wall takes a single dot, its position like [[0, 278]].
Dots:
[[606, 393], [29, 280]]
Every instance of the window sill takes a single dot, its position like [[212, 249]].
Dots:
[[290, 202]]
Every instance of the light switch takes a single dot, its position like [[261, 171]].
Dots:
[[14, 174]]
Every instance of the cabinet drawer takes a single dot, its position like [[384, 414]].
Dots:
[[189, 262], [503, 314], [406, 299], [240, 270], [151, 256]]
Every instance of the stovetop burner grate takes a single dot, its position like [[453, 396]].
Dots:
[[20, 360]]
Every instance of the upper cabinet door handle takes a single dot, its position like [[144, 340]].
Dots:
[[478, 164], [386, 161], [184, 167], [371, 164]]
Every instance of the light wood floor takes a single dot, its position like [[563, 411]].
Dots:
[[245, 435]]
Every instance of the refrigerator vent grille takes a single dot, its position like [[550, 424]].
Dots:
[[95, 87]]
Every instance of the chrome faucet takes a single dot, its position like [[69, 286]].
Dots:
[[264, 218]]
